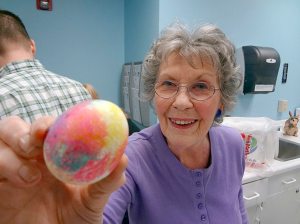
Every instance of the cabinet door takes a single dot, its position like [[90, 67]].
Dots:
[[254, 214], [282, 208], [254, 194]]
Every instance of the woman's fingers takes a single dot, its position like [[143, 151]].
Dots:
[[38, 132], [11, 130], [17, 170], [20, 148], [24, 139]]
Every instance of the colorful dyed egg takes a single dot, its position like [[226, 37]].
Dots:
[[86, 142]]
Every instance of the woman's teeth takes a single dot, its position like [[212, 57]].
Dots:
[[180, 122]]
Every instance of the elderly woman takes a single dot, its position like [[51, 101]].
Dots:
[[186, 169]]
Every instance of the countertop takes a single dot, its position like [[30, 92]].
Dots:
[[287, 138], [276, 167]]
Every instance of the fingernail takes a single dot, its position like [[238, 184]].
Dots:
[[29, 174], [24, 144]]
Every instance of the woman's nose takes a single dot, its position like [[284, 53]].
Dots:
[[182, 99]]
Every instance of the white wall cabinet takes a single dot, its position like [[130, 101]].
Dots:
[[274, 200]]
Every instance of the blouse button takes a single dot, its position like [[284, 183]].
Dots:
[[198, 183], [200, 205], [198, 195], [198, 174]]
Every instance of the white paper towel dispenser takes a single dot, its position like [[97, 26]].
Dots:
[[259, 68]]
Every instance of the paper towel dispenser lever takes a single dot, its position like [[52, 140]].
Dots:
[[259, 68]]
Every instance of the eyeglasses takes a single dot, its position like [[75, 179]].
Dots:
[[198, 91]]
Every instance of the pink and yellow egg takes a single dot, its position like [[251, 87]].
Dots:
[[86, 142]]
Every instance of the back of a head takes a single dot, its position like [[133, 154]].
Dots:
[[12, 31], [91, 90]]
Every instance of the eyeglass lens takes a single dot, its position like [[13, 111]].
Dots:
[[198, 91]]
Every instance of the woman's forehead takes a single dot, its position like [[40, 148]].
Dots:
[[195, 60], [201, 67]]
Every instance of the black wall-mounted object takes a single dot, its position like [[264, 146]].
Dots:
[[284, 72], [259, 68]]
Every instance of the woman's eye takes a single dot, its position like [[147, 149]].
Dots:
[[201, 86], [168, 83]]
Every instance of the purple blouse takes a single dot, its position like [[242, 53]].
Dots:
[[160, 190]]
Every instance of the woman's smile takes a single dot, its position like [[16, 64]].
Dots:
[[182, 123]]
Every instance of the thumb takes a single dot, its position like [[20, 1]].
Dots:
[[97, 194]]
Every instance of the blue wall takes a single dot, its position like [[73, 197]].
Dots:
[[82, 39], [141, 28], [271, 23]]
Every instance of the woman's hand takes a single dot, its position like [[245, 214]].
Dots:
[[28, 191]]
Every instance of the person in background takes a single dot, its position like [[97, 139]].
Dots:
[[92, 91], [187, 168], [27, 89]]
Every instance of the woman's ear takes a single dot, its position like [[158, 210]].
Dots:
[[221, 107]]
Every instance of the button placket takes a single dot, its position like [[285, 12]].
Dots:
[[197, 175], [198, 182]]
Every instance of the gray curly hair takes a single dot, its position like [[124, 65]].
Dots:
[[208, 41]]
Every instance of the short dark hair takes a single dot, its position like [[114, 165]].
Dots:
[[11, 28]]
